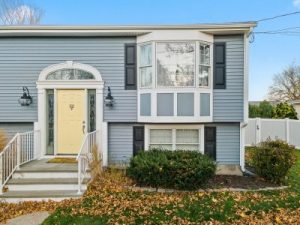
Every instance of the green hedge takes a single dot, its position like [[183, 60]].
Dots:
[[171, 169], [272, 160]]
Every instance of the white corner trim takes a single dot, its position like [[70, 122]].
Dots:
[[70, 65], [246, 77]]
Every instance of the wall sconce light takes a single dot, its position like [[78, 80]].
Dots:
[[25, 99], [109, 100]]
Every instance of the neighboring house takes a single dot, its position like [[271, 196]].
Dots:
[[296, 104], [173, 87]]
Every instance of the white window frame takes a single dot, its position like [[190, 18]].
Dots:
[[194, 43], [145, 66], [210, 78], [174, 128]]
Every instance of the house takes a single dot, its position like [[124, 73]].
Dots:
[[296, 104], [66, 89]]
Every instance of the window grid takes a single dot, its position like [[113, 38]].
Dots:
[[185, 145]]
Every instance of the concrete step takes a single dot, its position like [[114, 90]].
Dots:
[[20, 174], [43, 184], [19, 196]]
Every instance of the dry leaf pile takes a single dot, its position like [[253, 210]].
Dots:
[[108, 196]]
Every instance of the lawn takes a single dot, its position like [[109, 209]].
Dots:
[[108, 202]]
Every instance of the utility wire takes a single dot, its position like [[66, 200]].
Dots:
[[279, 16]]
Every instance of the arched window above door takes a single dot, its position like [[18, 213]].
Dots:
[[70, 70], [70, 74]]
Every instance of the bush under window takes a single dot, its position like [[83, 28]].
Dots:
[[272, 160], [171, 169]]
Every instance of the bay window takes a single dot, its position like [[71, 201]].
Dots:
[[175, 64], [146, 65]]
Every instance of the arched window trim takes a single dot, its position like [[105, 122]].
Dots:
[[69, 65], [54, 74]]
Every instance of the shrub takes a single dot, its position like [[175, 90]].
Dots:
[[3, 140], [171, 169], [273, 159]]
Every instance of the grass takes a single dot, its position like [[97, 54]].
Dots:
[[107, 202]]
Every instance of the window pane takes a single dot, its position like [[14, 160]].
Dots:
[[175, 64], [204, 75], [146, 55], [70, 74], [161, 136], [161, 146], [50, 122], [187, 147], [187, 136], [146, 77], [92, 110], [204, 54]]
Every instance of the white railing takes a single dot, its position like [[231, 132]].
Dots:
[[20, 150], [259, 130], [85, 155]]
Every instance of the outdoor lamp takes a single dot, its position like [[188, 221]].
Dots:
[[109, 100], [25, 99]]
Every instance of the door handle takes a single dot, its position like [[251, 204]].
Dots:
[[83, 127]]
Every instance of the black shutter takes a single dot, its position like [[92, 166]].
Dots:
[[130, 66], [210, 144], [138, 139], [220, 65]]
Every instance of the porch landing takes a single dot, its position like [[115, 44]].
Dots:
[[39, 180]]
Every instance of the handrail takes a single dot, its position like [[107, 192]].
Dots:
[[20, 150], [89, 141]]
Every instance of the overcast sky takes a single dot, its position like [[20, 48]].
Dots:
[[269, 54]]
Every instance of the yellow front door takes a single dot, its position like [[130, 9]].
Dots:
[[70, 120]]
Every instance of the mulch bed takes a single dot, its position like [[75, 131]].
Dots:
[[243, 182]]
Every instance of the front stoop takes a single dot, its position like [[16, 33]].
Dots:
[[42, 181]]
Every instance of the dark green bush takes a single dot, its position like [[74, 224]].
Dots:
[[272, 160], [171, 169]]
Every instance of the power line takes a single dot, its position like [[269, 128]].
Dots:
[[279, 16]]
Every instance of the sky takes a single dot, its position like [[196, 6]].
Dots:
[[269, 54]]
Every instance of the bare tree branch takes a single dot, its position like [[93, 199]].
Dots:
[[17, 12], [286, 85]]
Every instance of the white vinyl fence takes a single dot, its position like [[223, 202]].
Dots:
[[259, 130]]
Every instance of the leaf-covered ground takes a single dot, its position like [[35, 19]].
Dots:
[[107, 201]]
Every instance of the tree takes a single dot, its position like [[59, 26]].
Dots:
[[263, 110], [286, 85], [284, 110], [17, 12]]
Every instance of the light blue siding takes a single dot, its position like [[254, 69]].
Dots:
[[10, 129], [185, 104], [22, 60], [228, 104], [228, 144], [120, 143], [204, 104], [145, 104], [165, 104]]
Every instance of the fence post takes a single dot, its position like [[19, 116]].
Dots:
[[18, 151], [258, 131], [287, 130]]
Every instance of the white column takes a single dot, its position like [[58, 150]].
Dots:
[[41, 124], [287, 130]]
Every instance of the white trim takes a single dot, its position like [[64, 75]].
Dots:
[[174, 127], [246, 77], [70, 65], [173, 119], [43, 85]]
